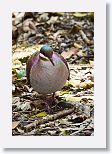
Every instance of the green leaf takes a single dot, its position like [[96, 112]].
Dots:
[[64, 92], [41, 114], [20, 74]]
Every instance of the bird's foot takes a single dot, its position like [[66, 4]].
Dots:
[[48, 108], [50, 103]]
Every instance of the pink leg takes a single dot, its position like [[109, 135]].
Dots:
[[47, 104]]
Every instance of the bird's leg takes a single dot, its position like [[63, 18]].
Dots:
[[47, 105], [53, 99], [53, 96], [50, 102]]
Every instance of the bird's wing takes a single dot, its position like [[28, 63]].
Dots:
[[65, 62], [31, 61]]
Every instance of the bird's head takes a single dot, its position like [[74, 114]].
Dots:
[[47, 51]]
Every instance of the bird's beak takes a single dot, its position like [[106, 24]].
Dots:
[[51, 60]]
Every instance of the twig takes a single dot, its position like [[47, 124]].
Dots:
[[72, 67], [80, 130], [49, 118], [85, 37]]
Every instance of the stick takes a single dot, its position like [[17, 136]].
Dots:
[[80, 130], [85, 37], [49, 118]]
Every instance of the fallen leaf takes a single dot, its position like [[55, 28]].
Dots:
[[85, 37], [15, 124], [32, 26], [81, 53], [23, 53], [20, 55], [28, 25], [63, 92], [76, 45], [28, 88], [52, 20], [78, 14], [69, 53], [25, 106], [15, 100], [20, 130], [13, 88], [85, 85], [73, 99], [20, 73], [59, 32], [91, 14], [57, 13], [91, 62], [17, 62], [53, 132], [75, 119], [75, 29], [44, 17], [41, 114]]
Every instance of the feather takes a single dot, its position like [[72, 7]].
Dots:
[[31, 61], [62, 58]]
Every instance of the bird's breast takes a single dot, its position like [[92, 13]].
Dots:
[[46, 78]]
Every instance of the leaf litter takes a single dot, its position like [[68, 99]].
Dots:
[[72, 35]]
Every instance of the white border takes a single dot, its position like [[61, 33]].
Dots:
[[96, 141]]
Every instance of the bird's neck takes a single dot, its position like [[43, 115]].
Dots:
[[43, 57]]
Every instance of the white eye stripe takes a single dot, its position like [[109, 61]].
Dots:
[[41, 55]]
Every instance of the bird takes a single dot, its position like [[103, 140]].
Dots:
[[47, 72]]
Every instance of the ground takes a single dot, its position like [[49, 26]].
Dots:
[[72, 36]]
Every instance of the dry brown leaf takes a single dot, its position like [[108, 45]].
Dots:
[[72, 98], [28, 25], [76, 45], [52, 20], [23, 52], [80, 14], [44, 16], [32, 26], [60, 32], [13, 88], [15, 100], [84, 85], [85, 37], [69, 53], [15, 124], [75, 29], [24, 106], [20, 130]]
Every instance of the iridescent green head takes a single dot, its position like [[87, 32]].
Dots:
[[47, 51]]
